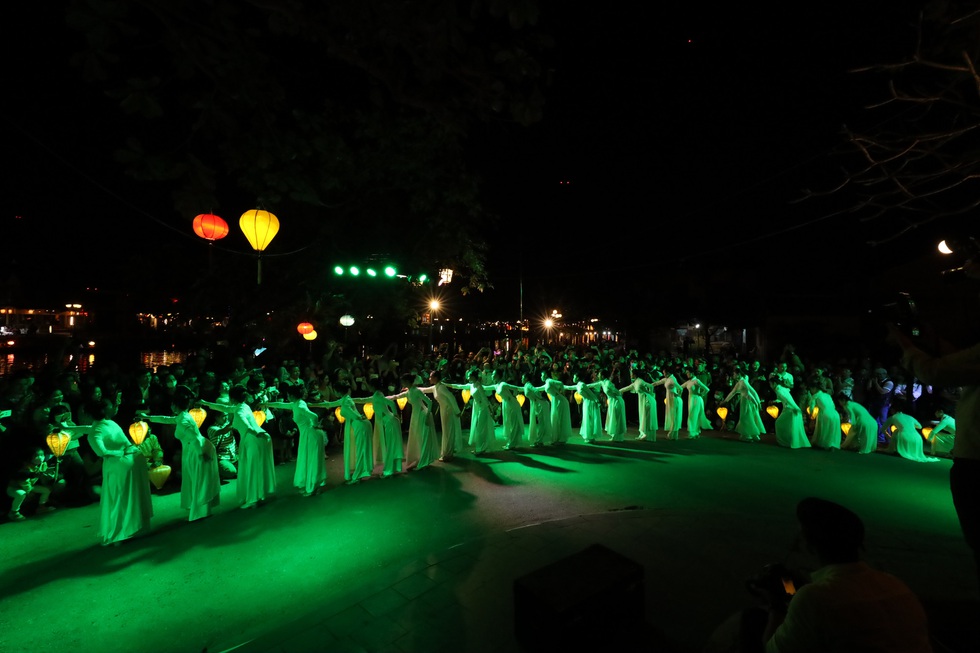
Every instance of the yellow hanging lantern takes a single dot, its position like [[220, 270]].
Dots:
[[845, 427], [369, 411], [199, 415], [773, 410], [138, 431], [722, 413], [466, 396], [336, 412], [58, 443], [521, 399], [496, 395], [259, 227], [402, 402], [926, 432], [259, 416], [578, 398], [159, 475], [311, 336], [893, 428]]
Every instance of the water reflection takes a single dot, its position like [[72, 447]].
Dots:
[[36, 362]]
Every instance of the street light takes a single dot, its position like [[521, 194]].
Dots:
[[433, 307]]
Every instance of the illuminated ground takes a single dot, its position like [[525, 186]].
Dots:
[[426, 561]]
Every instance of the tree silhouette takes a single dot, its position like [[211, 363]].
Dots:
[[917, 160]]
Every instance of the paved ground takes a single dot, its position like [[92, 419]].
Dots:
[[428, 561]]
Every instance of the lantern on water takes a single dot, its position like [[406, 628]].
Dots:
[[722, 413], [521, 399], [578, 398], [369, 411], [496, 395], [845, 427], [199, 415], [402, 402], [773, 410], [210, 227], [259, 227], [58, 443], [311, 336], [259, 416], [138, 431], [336, 412], [159, 475], [304, 328], [466, 396]]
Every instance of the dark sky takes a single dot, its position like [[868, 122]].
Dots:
[[675, 140]]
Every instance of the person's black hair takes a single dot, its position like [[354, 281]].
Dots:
[[834, 532], [342, 387], [96, 408], [237, 394], [295, 390], [183, 397]]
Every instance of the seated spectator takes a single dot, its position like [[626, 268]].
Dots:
[[222, 436], [32, 476], [847, 605]]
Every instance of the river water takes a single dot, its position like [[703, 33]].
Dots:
[[10, 360]]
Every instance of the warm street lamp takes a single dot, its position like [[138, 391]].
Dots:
[[433, 307]]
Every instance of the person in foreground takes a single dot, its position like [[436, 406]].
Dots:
[[847, 605]]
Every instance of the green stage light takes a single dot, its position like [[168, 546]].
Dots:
[[390, 272], [354, 271], [371, 272], [339, 271], [423, 278]]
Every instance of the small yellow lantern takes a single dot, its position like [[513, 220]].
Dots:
[[466, 396], [259, 416], [58, 443], [773, 410], [722, 413], [369, 411], [578, 398], [138, 431], [521, 399], [402, 402], [845, 427], [496, 395], [159, 475], [199, 415], [310, 336], [926, 432], [340, 418]]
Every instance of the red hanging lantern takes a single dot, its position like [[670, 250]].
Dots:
[[304, 328], [210, 227]]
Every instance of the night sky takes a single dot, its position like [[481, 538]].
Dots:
[[674, 145]]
